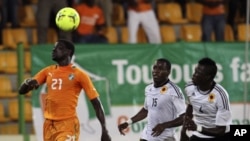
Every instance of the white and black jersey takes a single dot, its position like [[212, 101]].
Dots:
[[210, 108], [163, 104]]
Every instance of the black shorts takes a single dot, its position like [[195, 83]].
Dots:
[[225, 137]]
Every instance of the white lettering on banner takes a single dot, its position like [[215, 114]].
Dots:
[[134, 74], [176, 70], [245, 75], [146, 76], [120, 72], [240, 72], [235, 66]]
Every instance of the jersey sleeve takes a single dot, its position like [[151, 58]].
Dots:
[[224, 115], [178, 100], [188, 91], [87, 85], [41, 76], [180, 105]]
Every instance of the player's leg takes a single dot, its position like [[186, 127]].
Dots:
[[207, 27], [48, 130], [219, 27], [151, 28], [68, 130], [133, 25], [61, 130]]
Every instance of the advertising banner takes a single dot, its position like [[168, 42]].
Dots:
[[121, 72]]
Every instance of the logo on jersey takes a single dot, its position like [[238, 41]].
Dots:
[[200, 110], [50, 74], [211, 98], [71, 76], [164, 89]]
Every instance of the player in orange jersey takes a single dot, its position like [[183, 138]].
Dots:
[[64, 82]]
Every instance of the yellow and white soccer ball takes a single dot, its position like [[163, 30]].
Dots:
[[67, 19]]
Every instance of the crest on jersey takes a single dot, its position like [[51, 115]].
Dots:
[[211, 97], [164, 89], [71, 76]]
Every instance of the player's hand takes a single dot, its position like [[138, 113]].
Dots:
[[27, 85], [122, 126], [105, 136], [32, 83], [157, 130], [189, 124]]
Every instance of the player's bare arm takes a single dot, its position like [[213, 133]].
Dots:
[[159, 128], [186, 118], [28, 85], [217, 131], [100, 115], [138, 117]]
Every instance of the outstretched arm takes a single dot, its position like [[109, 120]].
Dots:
[[138, 117], [101, 117], [27, 85]]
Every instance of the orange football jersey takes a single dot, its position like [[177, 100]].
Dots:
[[64, 85]]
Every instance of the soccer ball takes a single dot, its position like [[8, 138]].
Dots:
[[67, 19]]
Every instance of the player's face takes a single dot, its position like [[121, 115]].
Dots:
[[200, 76], [59, 52], [160, 72]]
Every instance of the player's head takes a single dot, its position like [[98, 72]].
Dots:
[[161, 70], [63, 49], [205, 71]]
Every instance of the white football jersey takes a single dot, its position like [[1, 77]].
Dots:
[[210, 108], [163, 104]]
